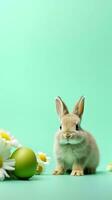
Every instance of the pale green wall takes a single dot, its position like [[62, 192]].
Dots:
[[50, 48]]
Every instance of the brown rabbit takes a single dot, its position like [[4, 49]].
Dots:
[[75, 149]]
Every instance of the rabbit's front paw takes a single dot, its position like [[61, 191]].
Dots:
[[58, 171], [77, 172]]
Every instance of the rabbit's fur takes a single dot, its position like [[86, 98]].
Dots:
[[75, 149]]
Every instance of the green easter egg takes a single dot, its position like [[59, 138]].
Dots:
[[26, 163]]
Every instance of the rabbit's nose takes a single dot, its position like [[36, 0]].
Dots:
[[68, 136]]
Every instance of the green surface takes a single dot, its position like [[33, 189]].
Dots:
[[50, 48], [60, 187]]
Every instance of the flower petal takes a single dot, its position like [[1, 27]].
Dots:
[[9, 168], [5, 173], [2, 176], [10, 162]]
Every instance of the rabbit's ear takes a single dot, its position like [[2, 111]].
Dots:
[[79, 107], [61, 107]]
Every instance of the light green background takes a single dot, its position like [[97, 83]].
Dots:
[[50, 48]]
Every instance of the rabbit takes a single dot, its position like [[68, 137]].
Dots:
[[75, 149]]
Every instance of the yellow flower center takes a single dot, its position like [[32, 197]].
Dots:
[[39, 168], [42, 157], [1, 162], [5, 136]]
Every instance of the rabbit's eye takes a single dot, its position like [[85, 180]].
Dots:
[[60, 127], [77, 127]]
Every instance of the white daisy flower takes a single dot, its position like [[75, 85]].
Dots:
[[6, 164], [109, 167], [40, 168], [9, 139], [42, 158]]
